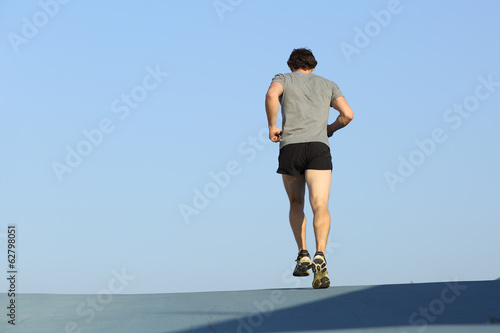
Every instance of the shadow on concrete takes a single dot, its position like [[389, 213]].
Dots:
[[412, 305], [431, 307]]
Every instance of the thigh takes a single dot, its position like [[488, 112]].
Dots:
[[318, 183], [295, 187]]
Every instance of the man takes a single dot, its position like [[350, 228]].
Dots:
[[304, 156]]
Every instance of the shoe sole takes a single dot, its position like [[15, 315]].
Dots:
[[321, 279], [302, 269]]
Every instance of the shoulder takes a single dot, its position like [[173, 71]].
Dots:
[[331, 86], [281, 76], [324, 80]]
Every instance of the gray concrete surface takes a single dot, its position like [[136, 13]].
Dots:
[[429, 307]]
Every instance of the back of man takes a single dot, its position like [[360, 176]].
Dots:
[[304, 157], [305, 106]]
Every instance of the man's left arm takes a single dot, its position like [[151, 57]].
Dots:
[[344, 118]]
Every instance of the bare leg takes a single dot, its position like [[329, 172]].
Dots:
[[295, 188], [319, 183]]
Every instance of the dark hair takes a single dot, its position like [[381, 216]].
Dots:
[[302, 59]]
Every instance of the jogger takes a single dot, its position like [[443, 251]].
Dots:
[[304, 158]]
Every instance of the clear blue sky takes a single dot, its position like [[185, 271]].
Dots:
[[116, 115]]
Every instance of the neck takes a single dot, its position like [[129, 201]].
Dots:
[[306, 71]]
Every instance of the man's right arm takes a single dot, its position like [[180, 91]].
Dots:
[[272, 109], [344, 118]]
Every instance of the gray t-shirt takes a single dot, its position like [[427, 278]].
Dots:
[[305, 106]]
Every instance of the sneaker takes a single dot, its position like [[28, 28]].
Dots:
[[321, 279], [303, 264]]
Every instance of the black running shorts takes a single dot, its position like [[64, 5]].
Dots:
[[294, 159]]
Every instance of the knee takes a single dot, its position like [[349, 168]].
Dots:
[[319, 206], [296, 203]]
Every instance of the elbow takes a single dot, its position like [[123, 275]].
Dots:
[[270, 96], [345, 119], [348, 116]]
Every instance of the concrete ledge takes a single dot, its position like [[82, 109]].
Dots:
[[430, 307]]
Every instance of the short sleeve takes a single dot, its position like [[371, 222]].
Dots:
[[280, 78], [336, 93]]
